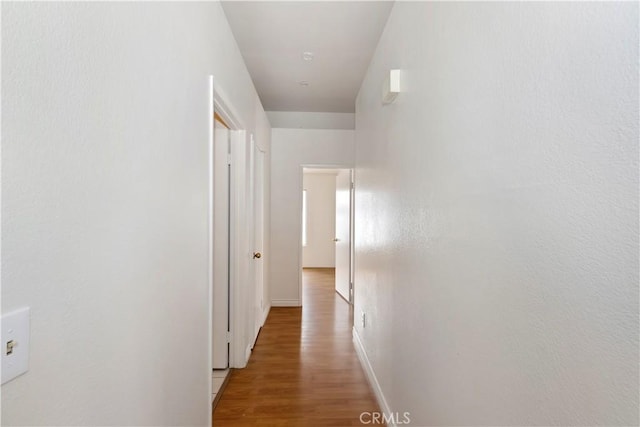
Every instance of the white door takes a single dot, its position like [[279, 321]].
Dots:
[[343, 233], [221, 174], [257, 160]]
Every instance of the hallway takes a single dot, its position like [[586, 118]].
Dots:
[[495, 157], [304, 369]]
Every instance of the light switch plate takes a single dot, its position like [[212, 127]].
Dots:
[[15, 330]]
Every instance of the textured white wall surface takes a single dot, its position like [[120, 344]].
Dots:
[[497, 214], [321, 220], [104, 205], [311, 120], [291, 149]]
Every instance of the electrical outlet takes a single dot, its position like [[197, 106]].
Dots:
[[15, 344], [364, 320]]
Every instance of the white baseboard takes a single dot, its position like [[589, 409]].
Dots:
[[247, 354], [285, 303], [265, 314], [371, 376]]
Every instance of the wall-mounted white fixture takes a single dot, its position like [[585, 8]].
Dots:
[[391, 87], [14, 341], [307, 56]]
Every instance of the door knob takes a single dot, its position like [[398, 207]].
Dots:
[[257, 255], [336, 240]]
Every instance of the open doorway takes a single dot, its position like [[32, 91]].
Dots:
[[231, 225], [222, 224], [327, 227]]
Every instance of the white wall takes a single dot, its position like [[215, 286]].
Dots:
[[320, 251], [290, 150], [104, 214], [497, 214], [311, 120]]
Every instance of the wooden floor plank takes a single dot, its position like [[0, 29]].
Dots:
[[304, 370]]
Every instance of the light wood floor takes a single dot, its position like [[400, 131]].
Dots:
[[304, 370]]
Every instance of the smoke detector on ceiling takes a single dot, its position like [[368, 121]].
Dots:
[[307, 56]]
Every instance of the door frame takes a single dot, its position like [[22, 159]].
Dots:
[[300, 188], [221, 247]]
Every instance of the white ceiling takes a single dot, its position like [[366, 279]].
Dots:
[[273, 35]]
